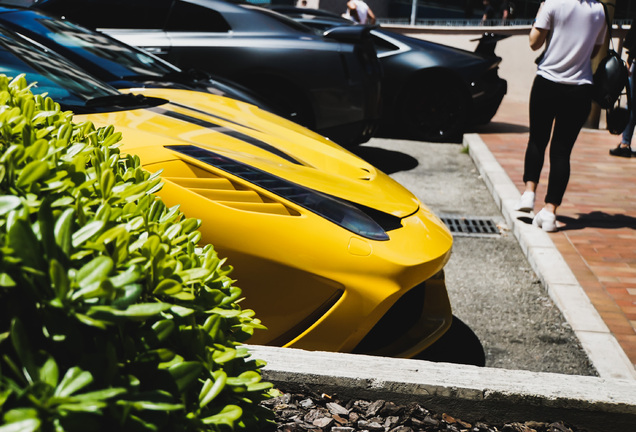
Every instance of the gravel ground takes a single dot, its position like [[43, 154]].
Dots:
[[311, 411], [492, 288]]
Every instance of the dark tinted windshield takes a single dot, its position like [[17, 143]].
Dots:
[[99, 54], [53, 75]]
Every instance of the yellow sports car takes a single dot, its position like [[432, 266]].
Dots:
[[331, 253]]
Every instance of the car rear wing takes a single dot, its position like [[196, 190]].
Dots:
[[352, 33]]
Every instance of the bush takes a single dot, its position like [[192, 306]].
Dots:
[[111, 317]]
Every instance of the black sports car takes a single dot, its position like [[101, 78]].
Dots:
[[114, 62], [328, 82], [430, 91]]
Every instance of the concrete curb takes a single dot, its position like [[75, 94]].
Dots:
[[599, 343], [467, 392]]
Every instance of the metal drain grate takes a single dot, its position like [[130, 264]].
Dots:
[[471, 226]]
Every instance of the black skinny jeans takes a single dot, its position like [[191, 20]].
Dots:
[[566, 107]]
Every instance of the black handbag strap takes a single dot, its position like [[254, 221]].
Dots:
[[608, 24], [612, 51]]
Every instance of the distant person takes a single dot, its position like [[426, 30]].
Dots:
[[624, 148], [489, 12], [561, 96], [506, 12], [360, 12], [302, 3]]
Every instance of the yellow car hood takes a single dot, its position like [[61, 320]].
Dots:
[[257, 138]]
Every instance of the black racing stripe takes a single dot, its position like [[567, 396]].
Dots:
[[189, 108], [226, 131]]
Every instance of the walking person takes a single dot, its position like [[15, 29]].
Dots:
[[489, 13], [360, 12], [561, 96], [506, 11], [624, 148]]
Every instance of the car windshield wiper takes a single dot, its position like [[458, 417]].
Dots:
[[124, 99]]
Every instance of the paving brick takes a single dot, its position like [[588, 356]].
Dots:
[[597, 237]]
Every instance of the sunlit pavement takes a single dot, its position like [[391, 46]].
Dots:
[[596, 238]]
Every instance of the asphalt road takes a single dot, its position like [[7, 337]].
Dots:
[[505, 317]]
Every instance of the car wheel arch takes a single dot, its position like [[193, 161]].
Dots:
[[422, 79]]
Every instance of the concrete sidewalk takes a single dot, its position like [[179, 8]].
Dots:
[[588, 266]]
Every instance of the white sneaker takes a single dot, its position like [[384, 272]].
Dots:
[[526, 202], [545, 220]]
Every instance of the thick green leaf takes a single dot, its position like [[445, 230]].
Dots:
[[28, 425], [212, 325], [62, 229], [91, 406], [100, 394], [102, 289], [212, 388], [163, 329], [168, 287], [132, 293], [74, 379], [95, 271], [247, 377], [228, 416], [86, 232], [259, 387], [33, 172], [107, 183], [139, 311], [151, 406], [195, 274], [6, 280], [91, 321], [185, 374], [22, 346], [21, 234], [8, 203], [59, 279], [39, 149], [224, 356], [131, 275], [49, 372]]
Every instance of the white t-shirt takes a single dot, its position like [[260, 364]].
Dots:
[[363, 11], [576, 26]]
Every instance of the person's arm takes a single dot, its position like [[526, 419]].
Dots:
[[538, 35], [351, 5], [370, 17], [537, 38]]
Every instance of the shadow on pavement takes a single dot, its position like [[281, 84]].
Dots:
[[597, 219], [499, 127], [459, 345]]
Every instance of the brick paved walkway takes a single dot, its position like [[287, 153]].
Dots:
[[597, 220]]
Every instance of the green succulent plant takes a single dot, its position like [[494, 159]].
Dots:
[[111, 315]]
